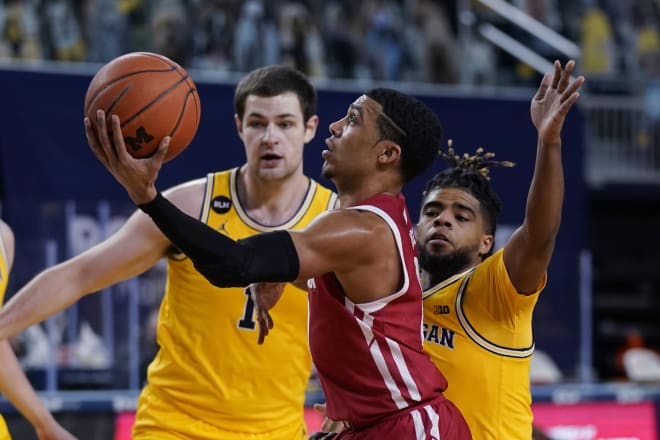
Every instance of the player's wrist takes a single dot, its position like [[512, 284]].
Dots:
[[145, 197]]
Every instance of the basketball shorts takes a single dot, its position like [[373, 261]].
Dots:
[[4, 432], [437, 420], [156, 420]]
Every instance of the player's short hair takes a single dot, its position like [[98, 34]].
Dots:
[[471, 173], [411, 124], [275, 80]]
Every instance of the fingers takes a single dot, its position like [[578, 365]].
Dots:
[[568, 103], [263, 331], [556, 75], [327, 425], [543, 87], [320, 408], [93, 142], [103, 137], [575, 85], [117, 143], [163, 147], [265, 323], [565, 75]]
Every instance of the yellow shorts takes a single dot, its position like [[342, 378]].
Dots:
[[155, 420], [4, 432]]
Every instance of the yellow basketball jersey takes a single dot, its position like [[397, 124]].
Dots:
[[4, 279], [478, 332], [209, 364]]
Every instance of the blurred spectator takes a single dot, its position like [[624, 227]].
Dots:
[[636, 361], [19, 28], [256, 40], [341, 41], [213, 34], [104, 27], [171, 33], [439, 45], [383, 46], [596, 41], [300, 41], [63, 31]]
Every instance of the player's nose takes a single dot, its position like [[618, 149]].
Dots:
[[335, 128]]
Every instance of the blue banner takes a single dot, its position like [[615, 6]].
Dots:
[[50, 178]]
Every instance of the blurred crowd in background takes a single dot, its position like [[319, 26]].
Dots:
[[399, 40]]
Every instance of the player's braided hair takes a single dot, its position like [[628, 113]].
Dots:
[[471, 173]]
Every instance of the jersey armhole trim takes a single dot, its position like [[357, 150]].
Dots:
[[482, 342]]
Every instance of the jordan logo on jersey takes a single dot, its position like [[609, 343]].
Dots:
[[223, 228], [439, 335]]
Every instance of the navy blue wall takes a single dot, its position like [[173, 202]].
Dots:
[[46, 161]]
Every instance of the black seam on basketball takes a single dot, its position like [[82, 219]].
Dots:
[[181, 114], [114, 102], [153, 101], [178, 122], [113, 81]]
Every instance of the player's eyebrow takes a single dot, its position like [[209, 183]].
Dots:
[[385, 116]]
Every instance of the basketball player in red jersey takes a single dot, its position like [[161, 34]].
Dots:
[[360, 261]]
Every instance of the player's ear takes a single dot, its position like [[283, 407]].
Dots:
[[310, 128], [389, 152], [239, 125], [487, 243]]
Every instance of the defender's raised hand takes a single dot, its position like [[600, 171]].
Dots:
[[137, 176], [554, 98]]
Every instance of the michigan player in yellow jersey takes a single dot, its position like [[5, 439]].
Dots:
[[477, 306], [13, 383], [201, 360], [209, 379]]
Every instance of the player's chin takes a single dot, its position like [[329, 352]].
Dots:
[[327, 171], [438, 250]]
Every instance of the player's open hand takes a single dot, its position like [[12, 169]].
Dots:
[[265, 296], [137, 176], [554, 98], [328, 426]]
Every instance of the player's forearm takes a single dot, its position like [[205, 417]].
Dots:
[[269, 257], [15, 386], [47, 294], [546, 196]]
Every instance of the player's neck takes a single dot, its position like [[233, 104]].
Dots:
[[271, 202], [354, 192]]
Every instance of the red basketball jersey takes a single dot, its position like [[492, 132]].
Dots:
[[369, 356]]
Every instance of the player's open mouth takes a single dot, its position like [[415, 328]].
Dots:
[[438, 240], [270, 159]]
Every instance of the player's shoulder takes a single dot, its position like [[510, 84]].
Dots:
[[355, 219], [188, 196], [6, 233], [6, 242]]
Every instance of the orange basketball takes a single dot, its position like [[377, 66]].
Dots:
[[153, 97]]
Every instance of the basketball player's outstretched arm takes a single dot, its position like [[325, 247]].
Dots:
[[528, 252], [13, 383], [337, 241]]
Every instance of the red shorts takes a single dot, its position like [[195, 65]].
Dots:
[[437, 420]]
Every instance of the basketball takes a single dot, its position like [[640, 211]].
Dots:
[[153, 97]]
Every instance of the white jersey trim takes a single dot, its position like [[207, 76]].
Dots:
[[472, 333], [374, 306]]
